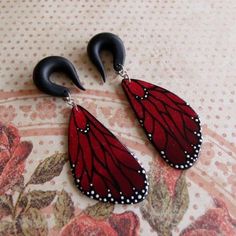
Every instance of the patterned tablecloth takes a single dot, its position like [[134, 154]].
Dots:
[[186, 46]]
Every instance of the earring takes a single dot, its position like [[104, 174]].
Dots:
[[103, 168], [169, 122]]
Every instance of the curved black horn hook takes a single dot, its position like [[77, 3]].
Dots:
[[111, 43], [49, 65]]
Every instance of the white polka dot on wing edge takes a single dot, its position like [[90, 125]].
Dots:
[[109, 198], [139, 195], [191, 158]]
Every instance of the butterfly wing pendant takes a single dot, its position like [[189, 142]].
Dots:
[[169, 122], [102, 167]]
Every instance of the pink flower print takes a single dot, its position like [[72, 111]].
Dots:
[[46, 109], [7, 114], [13, 154], [216, 221], [121, 118]]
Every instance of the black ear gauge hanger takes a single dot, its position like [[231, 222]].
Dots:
[[49, 65], [103, 168], [109, 42]]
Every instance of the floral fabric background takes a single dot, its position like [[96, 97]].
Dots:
[[185, 46]]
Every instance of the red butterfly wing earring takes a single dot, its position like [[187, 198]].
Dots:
[[103, 168], [169, 122]]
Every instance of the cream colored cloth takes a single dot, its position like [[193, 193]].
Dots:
[[185, 46]]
